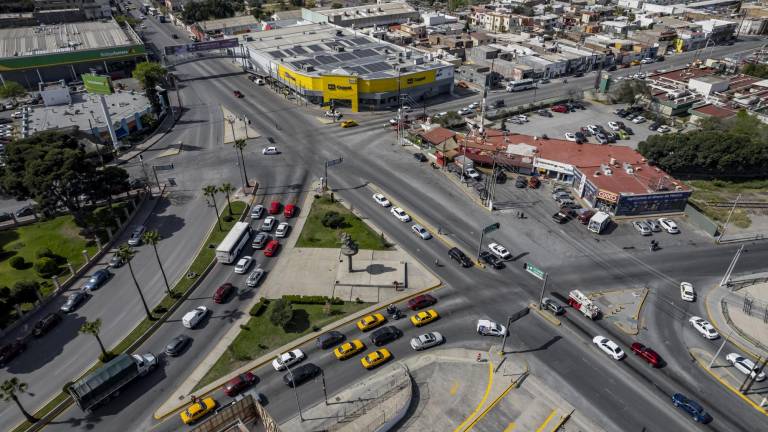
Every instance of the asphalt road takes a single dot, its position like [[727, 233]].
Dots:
[[569, 362]]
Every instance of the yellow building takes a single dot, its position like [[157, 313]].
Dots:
[[323, 63]]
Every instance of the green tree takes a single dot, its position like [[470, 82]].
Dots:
[[126, 253], [336, 5], [93, 328], [227, 189], [629, 91], [282, 313], [240, 146], [152, 237], [12, 89], [9, 390], [26, 291], [210, 192], [755, 70], [150, 75]]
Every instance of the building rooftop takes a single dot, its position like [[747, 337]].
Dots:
[[85, 111], [710, 110], [370, 10], [317, 49], [220, 24], [49, 39]]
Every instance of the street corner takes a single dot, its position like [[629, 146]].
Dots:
[[622, 307], [544, 314], [756, 395]]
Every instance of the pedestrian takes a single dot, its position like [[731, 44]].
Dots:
[[439, 229]]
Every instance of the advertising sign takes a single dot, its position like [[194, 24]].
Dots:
[[97, 84], [201, 46]]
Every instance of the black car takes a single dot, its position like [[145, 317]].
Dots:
[[420, 157], [580, 138], [653, 126], [550, 305], [491, 259], [498, 104], [544, 113], [559, 218], [25, 211], [629, 130], [385, 335], [300, 374], [46, 324], [691, 407], [5, 217], [622, 113], [521, 182], [460, 257], [578, 74], [611, 68], [177, 345], [611, 137], [10, 351], [330, 339], [579, 105], [175, 36]]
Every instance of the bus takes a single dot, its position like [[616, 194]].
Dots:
[[519, 85], [599, 222], [233, 243]]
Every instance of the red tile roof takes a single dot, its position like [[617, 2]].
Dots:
[[437, 135], [715, 111]]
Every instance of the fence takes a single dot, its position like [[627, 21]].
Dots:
[[701, 220]]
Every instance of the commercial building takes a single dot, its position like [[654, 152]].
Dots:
[[93, 9], [215, 29], [45, 53], [382, 14], [322, 63]]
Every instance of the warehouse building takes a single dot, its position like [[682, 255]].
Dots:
[[45, 53], [370, 15], [322, 63]]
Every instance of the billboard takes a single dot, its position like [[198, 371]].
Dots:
[[201, 46], [69, 57], [97, 84]]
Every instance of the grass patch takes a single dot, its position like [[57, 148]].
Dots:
[[260, 336], [314, 234], [203, 259], [705, 191]]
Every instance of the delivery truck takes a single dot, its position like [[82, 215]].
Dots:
[[98, 386]]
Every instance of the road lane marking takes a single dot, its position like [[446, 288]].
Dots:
[[454, 388], [510, 427], [482, 401], [514, 384], [549, 418]]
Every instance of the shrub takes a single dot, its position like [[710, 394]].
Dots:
[[46, 267], [44, 253], [17, 262], [321, 300], [332, 220], [227, 218], [259, 308], [159, 310], [282, 313]]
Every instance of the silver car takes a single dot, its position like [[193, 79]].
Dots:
[[257, 211], [655, 227], [255, 277], [268, 224], [135, 239], [427, 340], [642, 228]]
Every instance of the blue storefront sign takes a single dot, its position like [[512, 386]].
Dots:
[[634, 205]]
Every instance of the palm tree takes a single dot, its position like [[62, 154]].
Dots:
[[153, 237], [93, 328], [210, 191], [8, 392], [227, 188], [126, 253], [240, 145]]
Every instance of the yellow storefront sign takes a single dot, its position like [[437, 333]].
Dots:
[[341, 87], [390, 84]]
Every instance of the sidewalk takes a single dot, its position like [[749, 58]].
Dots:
[[726, 311], [166, 126], [236, 127], [727, 375]]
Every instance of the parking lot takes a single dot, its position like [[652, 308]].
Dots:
[[595, 113]]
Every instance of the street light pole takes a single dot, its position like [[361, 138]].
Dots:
[[719, 350], [296, 393], [504, 340], [325, 393], [543, 287]]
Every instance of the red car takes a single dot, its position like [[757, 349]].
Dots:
[[289, 210], [647, 354], [559, 108], [274, 207], [223, 293], [421, 301], [271, 248], [239, 383], [534, 182], [237, 94]]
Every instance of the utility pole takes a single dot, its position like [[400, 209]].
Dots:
[[504, 340], [731, 266], [728, 219], [296, 393], [543, 287], [325, 393], [717, 354]]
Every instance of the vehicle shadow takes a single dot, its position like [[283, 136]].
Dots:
[[41, 351], [543, 347]]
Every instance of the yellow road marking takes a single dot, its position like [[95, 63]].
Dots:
[[454, 388], [490, 407], [510, 427], [731, 388], [482, 401], [544, 425]]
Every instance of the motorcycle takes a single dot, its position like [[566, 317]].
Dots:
[[394, 312], [434, 165]]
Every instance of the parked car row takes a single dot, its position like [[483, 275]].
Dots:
[[650, 226]]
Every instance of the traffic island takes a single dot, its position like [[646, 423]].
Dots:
[[622, 307], [721, 370]]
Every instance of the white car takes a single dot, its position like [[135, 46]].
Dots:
[[638, 120], [704, 327], [472, 173], [192, 318], [490, 328], [669, 225], [614, 126], [745, 366], [257, 211], [464, 111], [663, 129], [282, 229], [473, 105], [686, 291], [570, 136], [269, 150], [243, 265], [522, 117], [427, 340], [642, 228], [400, 214], [381, 200], [500, 251], [268, 224], [593, 129], [259, 81], [288, 359], [333, 114], [421, 232], [646, 60], [609, 347], [17, 114], [255, 277]]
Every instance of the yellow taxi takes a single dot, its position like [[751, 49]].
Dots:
[[424, 317], [348, 349], [348, 123], [197, 410], [376, 358], [370, 322]]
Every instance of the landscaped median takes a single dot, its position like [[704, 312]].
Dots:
[[328, 218], [182, 288]]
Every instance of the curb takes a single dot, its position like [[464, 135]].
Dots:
[[552, 320], [562, 421], [717, 327], [267, 358], [728, 386]]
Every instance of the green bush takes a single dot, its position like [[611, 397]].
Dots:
[[17, 262], [332, 220], [44, 253], [259, 308], [46, 267], [321, 300], [282, 313], [159, 310], [227, 218]]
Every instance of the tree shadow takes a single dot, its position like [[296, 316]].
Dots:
[[299, 323], [377, 269]]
